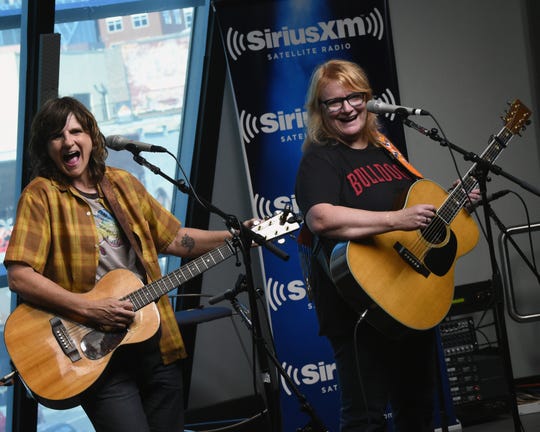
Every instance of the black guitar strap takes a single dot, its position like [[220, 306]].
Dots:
[[320, 256], [309, 249]]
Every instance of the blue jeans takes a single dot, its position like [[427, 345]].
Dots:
[[385, 371], [137, 393]]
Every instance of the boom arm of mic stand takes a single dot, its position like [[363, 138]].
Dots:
[[434, 135], [231, 222], [156, 170]]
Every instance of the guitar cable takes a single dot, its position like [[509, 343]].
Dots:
[[357, 361]]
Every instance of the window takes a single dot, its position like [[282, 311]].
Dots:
[[114, 24], [188, 17], [167, 17], [139, 20], [135, 86], [9, 67]]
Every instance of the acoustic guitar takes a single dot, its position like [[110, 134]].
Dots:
[[57, 359], [405, 279]]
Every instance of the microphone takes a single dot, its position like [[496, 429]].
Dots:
[[239, 286], [227, 295], [118, 142], [494, 196], [379, 107]]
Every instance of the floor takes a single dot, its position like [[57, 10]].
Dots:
[[527, 421], [494, 417]]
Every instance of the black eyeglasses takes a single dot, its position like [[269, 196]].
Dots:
[[336, 104]]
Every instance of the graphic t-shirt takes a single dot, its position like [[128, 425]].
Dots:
[[114, 249]]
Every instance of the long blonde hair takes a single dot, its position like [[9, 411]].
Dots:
[[349, 75]]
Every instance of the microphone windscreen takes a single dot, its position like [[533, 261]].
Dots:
[[116, 142]]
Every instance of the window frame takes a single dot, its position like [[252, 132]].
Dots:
[[114, 24]]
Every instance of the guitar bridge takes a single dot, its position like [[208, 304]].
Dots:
[[410, 259], [64, 340]]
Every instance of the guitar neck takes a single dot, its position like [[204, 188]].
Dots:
[[154, 290], [279, 225], [458, 198]]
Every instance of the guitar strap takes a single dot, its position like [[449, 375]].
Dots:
[[321, 257], [110, 196], [309, 248], [396, 154]]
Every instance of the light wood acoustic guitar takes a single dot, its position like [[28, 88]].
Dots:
[[57, 359], [405, 279]]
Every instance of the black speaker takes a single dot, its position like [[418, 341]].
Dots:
[[472, 297]]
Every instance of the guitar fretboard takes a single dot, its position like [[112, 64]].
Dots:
[[459, 195], [154, 290]]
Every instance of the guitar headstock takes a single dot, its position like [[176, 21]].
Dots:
[[282, 223], [517, 117]]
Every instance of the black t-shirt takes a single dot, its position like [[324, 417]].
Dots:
[[368, 179]]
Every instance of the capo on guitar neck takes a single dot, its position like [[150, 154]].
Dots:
[[499, 141]]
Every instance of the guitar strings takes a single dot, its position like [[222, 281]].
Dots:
[[459, 196]]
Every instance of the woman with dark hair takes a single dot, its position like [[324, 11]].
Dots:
[[341, 203], [77, 220], [50, 121]]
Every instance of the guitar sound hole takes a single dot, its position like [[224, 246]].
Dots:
[[435, 232], [97, 344]]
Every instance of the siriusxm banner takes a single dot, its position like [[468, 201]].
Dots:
[[272, 48]]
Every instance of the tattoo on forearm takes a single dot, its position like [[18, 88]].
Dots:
[[188, 242]]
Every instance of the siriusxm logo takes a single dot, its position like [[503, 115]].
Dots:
[[311, 374], [270, 123], [388, 97], [278, 293], [266, 208], [321, 32]]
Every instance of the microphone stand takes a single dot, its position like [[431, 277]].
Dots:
[[470, 156], [512, 311], [231, 221], [481, 171], [315, 424], [245, 239]]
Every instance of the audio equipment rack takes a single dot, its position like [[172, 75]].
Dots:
[[474, 365]]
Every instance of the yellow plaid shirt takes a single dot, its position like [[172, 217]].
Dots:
[[55, 234]]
